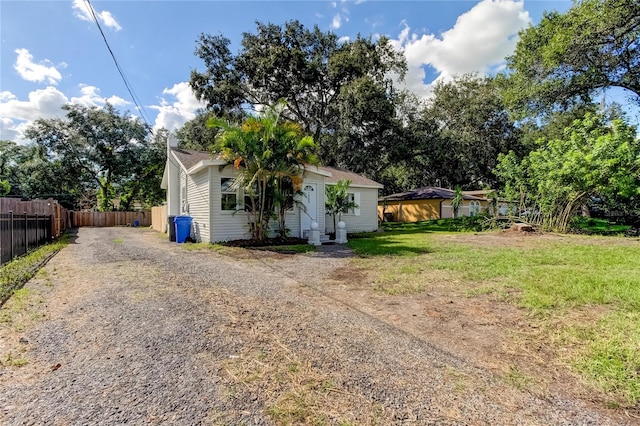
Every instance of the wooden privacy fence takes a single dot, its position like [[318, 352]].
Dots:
[[61, 218], [104, 219], [25, 225]]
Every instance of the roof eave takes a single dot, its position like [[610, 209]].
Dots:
[[316, 170], [203, 164]]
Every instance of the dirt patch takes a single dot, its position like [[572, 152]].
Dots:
[[482, 328], [349, 274]]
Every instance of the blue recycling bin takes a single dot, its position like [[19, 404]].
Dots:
[[183, 228]]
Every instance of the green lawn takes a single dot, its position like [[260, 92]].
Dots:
[[549, 276], [598, 226]]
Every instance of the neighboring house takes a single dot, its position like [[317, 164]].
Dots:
[[198, 184], [427, 203]]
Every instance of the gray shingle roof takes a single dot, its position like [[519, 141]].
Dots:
[[190, 157], [340, 174]]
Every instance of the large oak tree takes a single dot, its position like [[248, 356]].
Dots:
[[567, 58], [340, 92], [97, 148]]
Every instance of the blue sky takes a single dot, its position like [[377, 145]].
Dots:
[[52, 53]]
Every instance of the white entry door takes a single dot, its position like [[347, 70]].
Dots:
[[310, 211]]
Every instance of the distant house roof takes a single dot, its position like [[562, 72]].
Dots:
[[427, 193], [482, 193]]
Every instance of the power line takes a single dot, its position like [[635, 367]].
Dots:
[[134, 97]]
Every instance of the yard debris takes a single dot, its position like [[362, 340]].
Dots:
[[522, 227]]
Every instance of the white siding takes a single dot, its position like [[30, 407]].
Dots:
[[225, 225], [292, 223], [363, 219], [198, 201], [173, 187]]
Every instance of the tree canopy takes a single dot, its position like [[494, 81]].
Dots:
[[473, 127], [568, 57], [95, 152], [341, 93], [306, 67], [595, 157]]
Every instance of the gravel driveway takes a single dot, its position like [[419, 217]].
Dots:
[[138, 330]]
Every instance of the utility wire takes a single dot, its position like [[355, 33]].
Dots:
[[136, 101]]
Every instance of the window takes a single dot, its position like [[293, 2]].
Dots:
[[354, 197], [229, 196], [351, 199], [474, 208], [183, 197], [288, 191]]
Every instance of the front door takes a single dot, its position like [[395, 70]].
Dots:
[[309, 213]]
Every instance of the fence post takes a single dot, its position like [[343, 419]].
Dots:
[[26, 234], [11, 225], [37, 229]]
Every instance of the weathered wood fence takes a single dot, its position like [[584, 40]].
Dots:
[[24, 225], [61, 218], [104, 219]]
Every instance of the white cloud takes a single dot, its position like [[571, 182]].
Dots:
[[117, 101], [344, 39], [8, 130], [172, 116], [17, 115], [38, 73], [6, 96], [42, 103], [82, 12], [336, 22], [45, 103], [478, 43], [90, 97]]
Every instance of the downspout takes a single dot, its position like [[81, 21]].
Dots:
[[440, 209]]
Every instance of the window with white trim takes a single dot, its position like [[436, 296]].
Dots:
[[474, 208], [354, 197], [228, 196]]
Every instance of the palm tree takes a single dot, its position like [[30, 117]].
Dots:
[[268, 154], [456, 202], [337, 200]]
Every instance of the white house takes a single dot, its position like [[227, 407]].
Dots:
[[197, 184]]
